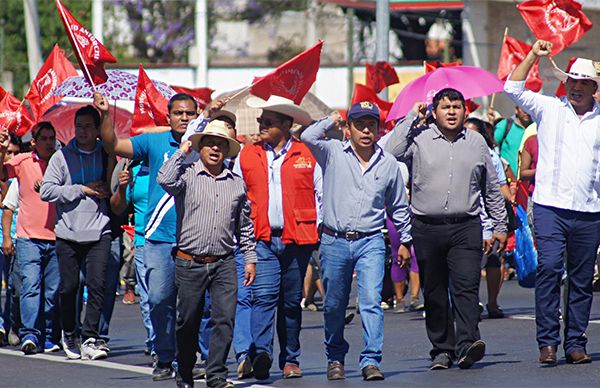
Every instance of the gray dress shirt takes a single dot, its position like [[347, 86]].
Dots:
[[211, 211], [448, 176], [356, 199]]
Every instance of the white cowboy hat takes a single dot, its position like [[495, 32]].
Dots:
[[580, 69], [281, 105], [224, 113], [216, 128]]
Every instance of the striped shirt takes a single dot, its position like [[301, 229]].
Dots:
[[211, 211]]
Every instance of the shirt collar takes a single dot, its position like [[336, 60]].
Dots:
[[172, 140], [200, 169], [347, 146], [595, 107], [285, 148], [439, 135]]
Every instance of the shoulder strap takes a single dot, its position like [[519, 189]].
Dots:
[[509, 123]]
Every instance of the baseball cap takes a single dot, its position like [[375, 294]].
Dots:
[[363, 108]]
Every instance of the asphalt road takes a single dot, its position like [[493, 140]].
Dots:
[[511, 358]]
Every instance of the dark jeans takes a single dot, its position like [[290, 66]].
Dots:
[[71, 257], [449, 258], [193, 280]]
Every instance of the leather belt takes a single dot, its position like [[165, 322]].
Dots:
[[203, 259], [443, 220], [276, 232], [350, 236]]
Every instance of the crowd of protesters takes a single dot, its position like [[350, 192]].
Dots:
[[230, 242]]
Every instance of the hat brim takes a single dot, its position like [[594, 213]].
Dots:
[[224, 113], [234, 146], [563, 76], [299, 115]]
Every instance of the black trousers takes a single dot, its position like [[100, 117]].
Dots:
[[449, 258], [193, 280], [71, 257]]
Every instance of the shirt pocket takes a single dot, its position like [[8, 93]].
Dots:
[[305, 215]]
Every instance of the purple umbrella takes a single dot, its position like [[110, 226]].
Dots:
[[471, 81], [119, 86]]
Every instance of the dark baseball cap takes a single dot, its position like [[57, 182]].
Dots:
[[363, 108]]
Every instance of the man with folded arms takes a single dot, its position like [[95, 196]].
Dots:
[[566, 200], [212, 207], [370, 184], [451, 169]]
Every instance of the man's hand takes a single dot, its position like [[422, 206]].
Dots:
[[123, 180], [487, 246], [100, 102], [96, 189], [541, 48], [8, 247], [37, 185], [501, 238], [214, 106], [249, 274], [186, 147], [493, 115], [420, 108], [403, 255], [4, 141]]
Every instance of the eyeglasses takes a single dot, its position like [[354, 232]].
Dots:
[[267, 123]]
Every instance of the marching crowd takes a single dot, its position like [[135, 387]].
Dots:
[[224, 234]]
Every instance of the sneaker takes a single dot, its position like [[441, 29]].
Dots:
[[441, 361], [348, 318], [102, 345], [50, 347], [311, 307], [129, 296], [163, 371], [70, 343], [399, 308], [29, 345], [13, 338], [474, 353], [416, 306], [385, 306], [89, 350], [2, 336]]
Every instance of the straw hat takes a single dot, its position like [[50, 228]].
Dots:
[[281, 105], [580, 69], [216, 128]]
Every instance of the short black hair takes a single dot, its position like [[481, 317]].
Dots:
[[450, 94], [181, 97], [15, 140], [480, 125], [89, 110], [42, 125]]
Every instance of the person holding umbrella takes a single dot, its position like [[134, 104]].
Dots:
[[451, 169]]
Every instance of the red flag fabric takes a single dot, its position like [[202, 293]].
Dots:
[[291, 80], [201, 95], [561, 90], [513, 53], [151, 107], [558, 21], [56, 69], [365, 93], [431, 66], [380, 75], [14, 116], [90, 53], [471, 106]]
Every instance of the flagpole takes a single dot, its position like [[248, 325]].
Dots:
[[503, 41], [85, 69], [238, 93]]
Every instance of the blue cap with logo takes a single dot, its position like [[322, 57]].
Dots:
[[363, 108]]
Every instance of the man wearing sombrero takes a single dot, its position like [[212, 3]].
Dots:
[[283, 182], [566, 200]]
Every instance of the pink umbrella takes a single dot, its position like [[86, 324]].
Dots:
[[471, 81]]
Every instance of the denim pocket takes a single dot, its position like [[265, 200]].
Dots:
[[327, 239], [181, 263]]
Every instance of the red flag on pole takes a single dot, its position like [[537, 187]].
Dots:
[[365, 93], [431, 66], [513, 53], [151, 107], [291, 80], [380, 75], [14, 116], [56, 69], [558, 21], [561, 90], [201, 95], [90, 53]]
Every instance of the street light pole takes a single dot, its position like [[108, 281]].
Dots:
[[32, 33], [382, 18]]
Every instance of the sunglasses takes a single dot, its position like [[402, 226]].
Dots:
[[267, 123]]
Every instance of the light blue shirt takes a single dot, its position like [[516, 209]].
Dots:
[[357, 198]]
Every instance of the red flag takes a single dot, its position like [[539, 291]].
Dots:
[[201, 95], [431, 66], [380, 75], [151, 107], [558, 21], [471, 106], [14, 116], [365, 93], [291, 80], [90, 53], [55, 71], [513, 53], [561, 91]]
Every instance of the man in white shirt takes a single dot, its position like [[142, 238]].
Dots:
[[566, 199]]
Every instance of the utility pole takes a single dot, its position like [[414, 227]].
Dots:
[[199, 53], [32, 33], [97, 18], [382, 19], [350, 51]]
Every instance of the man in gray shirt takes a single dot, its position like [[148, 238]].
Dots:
[[212, 210], [451, 168]]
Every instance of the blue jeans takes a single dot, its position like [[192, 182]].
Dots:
[[40, 279], [242, 332], [142, 286], [112, 279], [339, 258], [162, 296], [280, 276]]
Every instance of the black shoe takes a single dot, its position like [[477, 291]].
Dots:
[[474, 353], [182, 384], [163, 371], [348, 318], [372, 373], [219, 383], [261, 365], [335, 371], [441, 361]]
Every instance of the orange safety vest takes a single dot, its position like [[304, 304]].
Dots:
[[298, 193]]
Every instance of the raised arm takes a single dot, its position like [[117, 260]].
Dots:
[[400, 141], [118, 201], [314, 140], [170, 174], [112, 144], [540, 48]]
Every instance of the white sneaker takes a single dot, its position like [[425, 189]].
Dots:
[[70, 344], [89, 350]]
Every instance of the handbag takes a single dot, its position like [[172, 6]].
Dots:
[[525, 254]]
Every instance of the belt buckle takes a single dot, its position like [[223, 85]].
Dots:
[[351, 236]]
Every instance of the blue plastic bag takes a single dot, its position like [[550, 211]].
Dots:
[[525, 254]]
